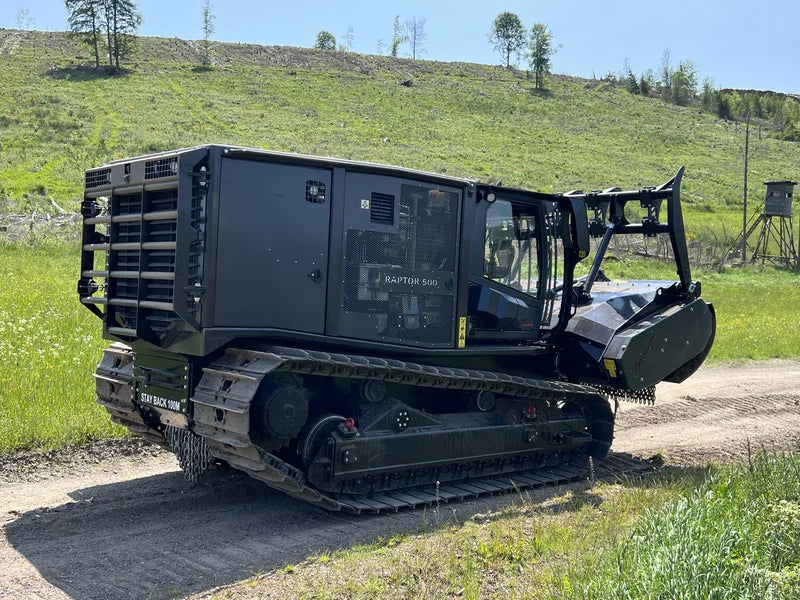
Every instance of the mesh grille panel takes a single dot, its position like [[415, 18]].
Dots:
[[399, 287], [162, 167], [98, 178]]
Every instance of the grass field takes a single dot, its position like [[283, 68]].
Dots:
[[737, 536], [730, 533], [49, 346]]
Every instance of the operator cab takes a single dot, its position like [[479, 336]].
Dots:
[[510, 272]]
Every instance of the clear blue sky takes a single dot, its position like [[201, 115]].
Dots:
[[740, 44]]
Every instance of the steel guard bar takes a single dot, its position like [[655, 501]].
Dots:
[[608, 207]]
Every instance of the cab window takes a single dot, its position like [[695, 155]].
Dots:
[[511, 250]]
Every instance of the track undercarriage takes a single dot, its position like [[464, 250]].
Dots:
[[329, 428]]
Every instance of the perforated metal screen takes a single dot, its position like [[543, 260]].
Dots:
[[400, 286]]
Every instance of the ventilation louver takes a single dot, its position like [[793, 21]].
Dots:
[[381, 209]]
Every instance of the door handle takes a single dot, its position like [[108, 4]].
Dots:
[[315, 275]]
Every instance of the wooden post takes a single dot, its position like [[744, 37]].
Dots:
[[744, 211]]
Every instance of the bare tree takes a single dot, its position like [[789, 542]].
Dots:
[[24, 19], [349, 38], [398, 37], [208, 30], [415, 34], [666, 75]]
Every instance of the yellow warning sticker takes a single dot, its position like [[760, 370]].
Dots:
[[365, 204], [462, 332], [611, 366]]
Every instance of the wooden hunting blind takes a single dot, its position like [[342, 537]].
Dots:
[[779, 198]]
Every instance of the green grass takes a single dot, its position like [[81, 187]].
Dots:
[[49, 347], [717, 534], [737, 536], [526, 550], [758, 313], [758, 310]]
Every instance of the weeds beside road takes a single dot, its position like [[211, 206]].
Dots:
[[718, 533]]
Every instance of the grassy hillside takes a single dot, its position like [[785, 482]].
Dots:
[[58, 117]]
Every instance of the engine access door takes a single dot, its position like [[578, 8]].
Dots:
[[272, 253]]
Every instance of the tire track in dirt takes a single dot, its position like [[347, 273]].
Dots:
[[717, 414], [130, 527]]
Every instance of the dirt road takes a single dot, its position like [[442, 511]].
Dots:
[[129, 527]]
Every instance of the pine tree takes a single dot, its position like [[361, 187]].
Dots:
[[398, 37], [208, 30], [85, 22], [122, 20], [708, 99], [647, 81]]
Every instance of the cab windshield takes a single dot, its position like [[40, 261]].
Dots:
[[511, 250]]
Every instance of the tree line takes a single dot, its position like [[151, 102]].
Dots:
[[681, 86]]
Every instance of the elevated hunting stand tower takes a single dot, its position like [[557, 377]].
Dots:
[[772, 228]]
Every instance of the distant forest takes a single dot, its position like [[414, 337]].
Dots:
[[775, 111]]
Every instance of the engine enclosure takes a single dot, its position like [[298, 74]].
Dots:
[[204, 248]]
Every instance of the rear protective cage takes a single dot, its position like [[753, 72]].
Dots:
[[145, 228]]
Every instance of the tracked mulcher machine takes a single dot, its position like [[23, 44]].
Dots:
[[367, 337]]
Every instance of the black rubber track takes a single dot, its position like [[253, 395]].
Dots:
[[222, 407]]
